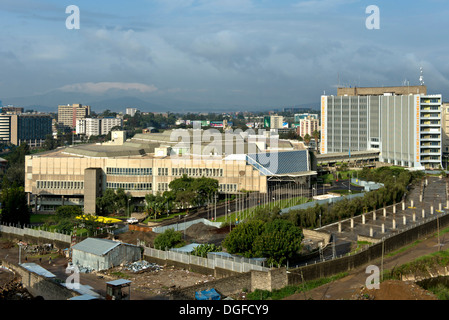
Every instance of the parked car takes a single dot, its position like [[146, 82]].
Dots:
[[132, 220]]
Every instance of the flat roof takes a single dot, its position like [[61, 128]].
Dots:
[[118, 282]]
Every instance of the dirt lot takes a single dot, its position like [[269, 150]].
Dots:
[[395, 290], [198, 233], [151, 283]]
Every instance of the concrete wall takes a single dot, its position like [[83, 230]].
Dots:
[[271, 280], [39, 285], [92, 188]]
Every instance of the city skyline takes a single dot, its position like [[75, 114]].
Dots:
[[215, 55]]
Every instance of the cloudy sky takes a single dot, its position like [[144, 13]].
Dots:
[[228, 54]]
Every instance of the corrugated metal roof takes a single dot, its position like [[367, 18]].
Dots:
[[96, 246], [187, 248], [279, 163], [33, 267], [118, 282]]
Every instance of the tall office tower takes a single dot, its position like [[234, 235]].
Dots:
[[68, 114], [445, 128], [406, 129], [274, 122], [5, 128], [307, 126], [31, 128]]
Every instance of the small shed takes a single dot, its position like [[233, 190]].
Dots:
[[102, 254], [119, 289]]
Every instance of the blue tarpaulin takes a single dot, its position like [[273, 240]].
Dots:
[[207, 295]]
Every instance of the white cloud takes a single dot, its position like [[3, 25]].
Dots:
[[102, 87]]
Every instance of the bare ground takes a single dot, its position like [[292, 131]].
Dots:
[[146, 284]]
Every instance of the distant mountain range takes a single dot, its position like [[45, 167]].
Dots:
[[49, 102]]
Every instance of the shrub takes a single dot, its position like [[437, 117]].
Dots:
[[168, 239]]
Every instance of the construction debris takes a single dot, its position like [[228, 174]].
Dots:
[[142, 265]]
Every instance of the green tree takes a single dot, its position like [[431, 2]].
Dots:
[[49, 143], [307, 139], [107, 204], [14, 206], [155, 204], [68, 212], [203, 249], [316, 136], [241, 239], [279, 241], [168, 239]]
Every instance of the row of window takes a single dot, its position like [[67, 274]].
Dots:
[[129, 186], [60, 184], [130, 171], [229, 187], [198, 172], [161, 186]]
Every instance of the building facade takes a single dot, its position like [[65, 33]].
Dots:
[[68, 114], [406, 129], [131, 111], [97, 126], [147, 163], [307, 126], [31, 128]]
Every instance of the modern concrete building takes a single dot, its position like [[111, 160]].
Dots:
[[273, 122], [406, 129], [131, 111], [11, 109], [68, 114], [97, 126], [375, 91], [299, 116], [307, 126], [147, 163], [31, 128], [445, 128]]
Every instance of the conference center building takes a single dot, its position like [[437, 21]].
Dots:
[[148, 162]]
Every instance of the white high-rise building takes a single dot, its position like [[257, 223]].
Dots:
[[97, 126], [131, 111], [406, 129]]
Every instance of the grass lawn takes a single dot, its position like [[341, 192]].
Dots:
[[40, 218]]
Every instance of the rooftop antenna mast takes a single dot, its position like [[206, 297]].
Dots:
[[421, 77]]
